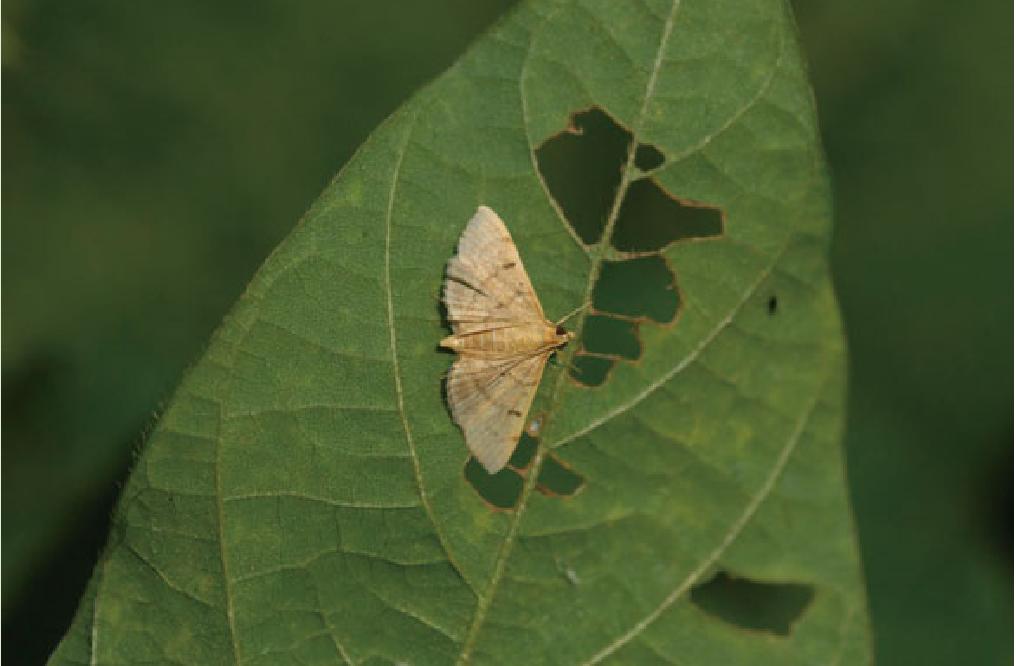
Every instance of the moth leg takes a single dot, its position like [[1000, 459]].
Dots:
[[558, 363]]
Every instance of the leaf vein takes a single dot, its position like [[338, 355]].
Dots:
[[219, 504], [396, 372], [93, 656], [683, 363], [342, 504], [728, 538], [162, 576], [737, 115], [524, 104]]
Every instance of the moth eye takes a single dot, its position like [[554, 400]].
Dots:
[[560, 330]]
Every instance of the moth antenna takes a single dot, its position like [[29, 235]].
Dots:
[[572, 313]]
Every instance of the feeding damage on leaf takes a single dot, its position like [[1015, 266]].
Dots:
[[753, 605], [490, 396], [583, 167], [501, 491]]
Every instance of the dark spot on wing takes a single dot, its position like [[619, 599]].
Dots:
[[515, 412], [507, 265], [468, 285]]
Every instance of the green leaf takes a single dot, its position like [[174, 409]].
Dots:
[[304, 498]]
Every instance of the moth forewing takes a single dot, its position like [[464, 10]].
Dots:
[[502, 338]]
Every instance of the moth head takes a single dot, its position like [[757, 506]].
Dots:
[[563, 335]]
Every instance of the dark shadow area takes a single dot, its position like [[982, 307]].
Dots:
[[590, 370], [748, 604], [36, 620], [650, 219], [582, 167], [994, 509], [500, 490], [603, 334], [29, 390], [557, 480], [641, 288]]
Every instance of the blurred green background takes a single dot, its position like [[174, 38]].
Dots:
[[156, 152]]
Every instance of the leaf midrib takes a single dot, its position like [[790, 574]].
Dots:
[[504, 551]]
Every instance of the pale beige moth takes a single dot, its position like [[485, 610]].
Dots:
[[501, 336]]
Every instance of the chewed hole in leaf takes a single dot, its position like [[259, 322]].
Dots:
[[501, 490], [524, 453], [648, 157], [556, 479], [650, 219], [641, 288], [768, 607], [603, 334], [590, 370], [582, 168]]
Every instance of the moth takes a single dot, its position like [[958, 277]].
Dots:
[[501, 337]]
